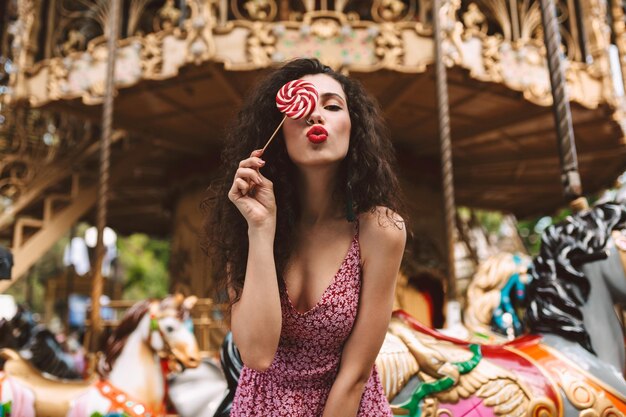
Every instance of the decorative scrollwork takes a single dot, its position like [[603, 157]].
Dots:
[[453, 30], [393, 10], [152, 56], [167, 17], [542, 407], [389, 45], [474, 20], [619, 30], [200, 31], [31, 141], [261, 45], [255, 10], [79, 22], [585, 397]]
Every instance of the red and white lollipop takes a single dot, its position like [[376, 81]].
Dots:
[[297, 99]]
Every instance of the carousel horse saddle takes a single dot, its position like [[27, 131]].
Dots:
[[50, 392]]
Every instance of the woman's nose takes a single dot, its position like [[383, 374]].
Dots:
[[316, 116]]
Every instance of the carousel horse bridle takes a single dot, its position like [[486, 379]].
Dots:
[[172, 356]]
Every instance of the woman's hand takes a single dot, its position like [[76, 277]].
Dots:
[[253, 194]]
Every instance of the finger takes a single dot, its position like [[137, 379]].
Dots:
[[249, 175], [252, 162], [265, 182], [242, 186], [257, 153]]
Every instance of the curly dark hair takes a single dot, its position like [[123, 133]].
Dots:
[[367, 172]]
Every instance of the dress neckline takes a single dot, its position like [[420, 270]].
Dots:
[[355, 242]]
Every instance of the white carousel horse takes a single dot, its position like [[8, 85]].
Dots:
[[152, 338], [199, 391]]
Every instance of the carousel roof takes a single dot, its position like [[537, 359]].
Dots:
[[180, 80], [504, 147]]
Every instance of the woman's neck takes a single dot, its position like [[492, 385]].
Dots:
[[316, 187]]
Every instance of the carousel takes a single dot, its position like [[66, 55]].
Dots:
[[112, 113]]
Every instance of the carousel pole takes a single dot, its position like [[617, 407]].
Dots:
[[562, 113], [103, 184], [443, 111]]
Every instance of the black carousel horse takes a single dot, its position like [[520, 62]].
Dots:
[[37, 344]]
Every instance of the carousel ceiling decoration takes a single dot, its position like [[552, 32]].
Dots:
[[494, 41]]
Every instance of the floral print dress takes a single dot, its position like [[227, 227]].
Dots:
[[298, 381]]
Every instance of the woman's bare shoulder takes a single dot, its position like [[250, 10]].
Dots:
[[382, 227]]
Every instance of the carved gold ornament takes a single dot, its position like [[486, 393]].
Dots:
[[584, 397], [397, 36]]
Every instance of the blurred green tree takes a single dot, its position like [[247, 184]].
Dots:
[[144, 266]]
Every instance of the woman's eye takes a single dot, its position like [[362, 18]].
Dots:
[[333, 107]]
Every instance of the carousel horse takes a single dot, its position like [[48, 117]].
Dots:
[[573, 364], [36, 343], [495, 295], [199, 391], [153, 338]]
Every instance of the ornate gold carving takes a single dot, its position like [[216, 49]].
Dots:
[[500, 389], [256, 10], [75, 41], [57, 78], [395, 359], [474, 21], [29, 140], [586, 398], [619, 30], [201, 46], [542, 407], [389, 45], [361, 45], [392, 10], [261, 44], [168, 16], [453, 29], [22, 31], [152, 56], [325, 28]]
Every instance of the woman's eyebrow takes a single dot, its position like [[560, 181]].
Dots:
[[331, 95]]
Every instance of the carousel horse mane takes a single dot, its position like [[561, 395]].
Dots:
[[117, 340], [559, 287], [484, 293], [37, 344]]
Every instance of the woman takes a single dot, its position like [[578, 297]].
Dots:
[[308, 319]]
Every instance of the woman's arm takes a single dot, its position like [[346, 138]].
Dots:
[[256, 317], [382, 246]]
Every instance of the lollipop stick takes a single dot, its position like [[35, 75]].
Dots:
[[273, 134]]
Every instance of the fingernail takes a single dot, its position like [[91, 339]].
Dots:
[[261, 162]]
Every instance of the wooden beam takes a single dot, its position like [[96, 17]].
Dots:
[[38, 244], [540, 159], [51, 175], [499, 123], [397, 95], [182, 144], [186, 109], [218, 74]]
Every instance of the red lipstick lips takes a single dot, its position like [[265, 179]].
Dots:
[[317, 134]]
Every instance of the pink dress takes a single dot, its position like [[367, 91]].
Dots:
[[298, 381]]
